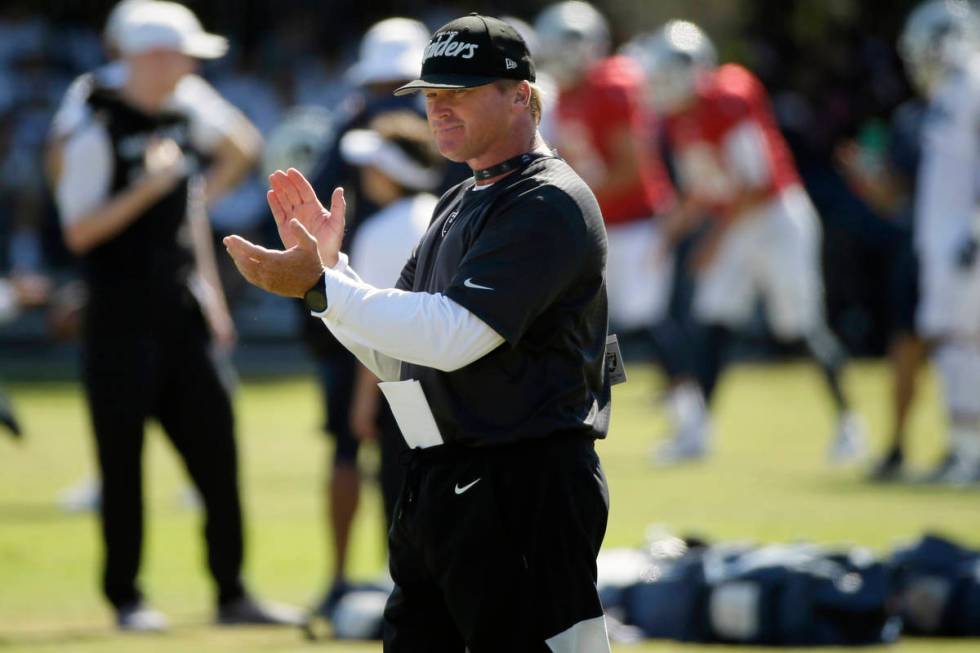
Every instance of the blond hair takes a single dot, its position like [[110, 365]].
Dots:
[[535, 102]]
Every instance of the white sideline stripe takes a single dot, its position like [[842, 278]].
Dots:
[[587, 636]]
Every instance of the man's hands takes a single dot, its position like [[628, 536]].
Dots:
[[165, 164], [292, 197], [311, 235]]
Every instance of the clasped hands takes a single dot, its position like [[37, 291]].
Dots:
[[311, 236]]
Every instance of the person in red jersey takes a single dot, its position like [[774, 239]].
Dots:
[[733, 165], [606, 131]]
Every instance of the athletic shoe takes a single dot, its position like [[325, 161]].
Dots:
[[849, 443], [84, 496], [317, 624], [330, 600], [939, 472], [959, 472], [247, 611], [686, 446], [139, 618], [889, 468], [190, 499]]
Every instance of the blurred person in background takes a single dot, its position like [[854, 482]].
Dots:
[[242, 208], [17, 293], [30, 86], [399, 168], [229, 140], [131, 191], [940, 45], [606, 132], [764, 239], [883, 175], [389, 55]]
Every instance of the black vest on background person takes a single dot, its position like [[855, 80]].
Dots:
[[138, 279]]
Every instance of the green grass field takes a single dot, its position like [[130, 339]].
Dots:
[[767, 482]]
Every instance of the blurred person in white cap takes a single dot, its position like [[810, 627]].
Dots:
[[131, 192], [220, 130], [940, 45], [398, 168], [390, 55]]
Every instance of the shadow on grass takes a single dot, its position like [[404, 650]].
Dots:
[[56, 637], [101, 635], [33, 512], [861, 485]]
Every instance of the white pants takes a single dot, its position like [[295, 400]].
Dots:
[[775, 253], [958, 365], [639, 274], [949, 305]]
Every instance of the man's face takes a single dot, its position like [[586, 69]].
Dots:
[[467, 122], [165, 67]]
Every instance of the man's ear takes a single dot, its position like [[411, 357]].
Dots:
[[523, 94]]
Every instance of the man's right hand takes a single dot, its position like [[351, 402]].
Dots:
[[165, 165], [292, 198]]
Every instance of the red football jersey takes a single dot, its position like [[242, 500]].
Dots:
[[608, 99], [729, 98]]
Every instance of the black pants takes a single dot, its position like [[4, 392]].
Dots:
[[392, 471], [166, 373], [494, 549]]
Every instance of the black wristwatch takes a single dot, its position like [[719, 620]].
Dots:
[[315, 298]]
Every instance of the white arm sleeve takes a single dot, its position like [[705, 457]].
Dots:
[[211, 117], [384, 367], [86, 172], [420, 328], [73, 109], [745, 150]]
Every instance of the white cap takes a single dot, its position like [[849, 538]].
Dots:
[[391, 51], [157, 25], [364, 147], [115, 23]]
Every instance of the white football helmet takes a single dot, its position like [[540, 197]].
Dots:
[[938, 35], [571, 36], [673, 58]]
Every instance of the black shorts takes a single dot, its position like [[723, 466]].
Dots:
[[494, 549], [903, 288], [337, 373]]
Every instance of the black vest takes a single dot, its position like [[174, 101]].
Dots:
[[142, 271]]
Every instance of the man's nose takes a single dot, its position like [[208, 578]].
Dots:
[[438, 107]]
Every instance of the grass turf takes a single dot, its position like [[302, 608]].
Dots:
[[767, 481]]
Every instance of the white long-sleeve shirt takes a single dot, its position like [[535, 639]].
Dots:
[[383, 327]]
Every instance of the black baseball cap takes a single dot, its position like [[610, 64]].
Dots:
[[472, 51]]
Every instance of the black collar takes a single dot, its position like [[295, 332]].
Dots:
[[514, 163]]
